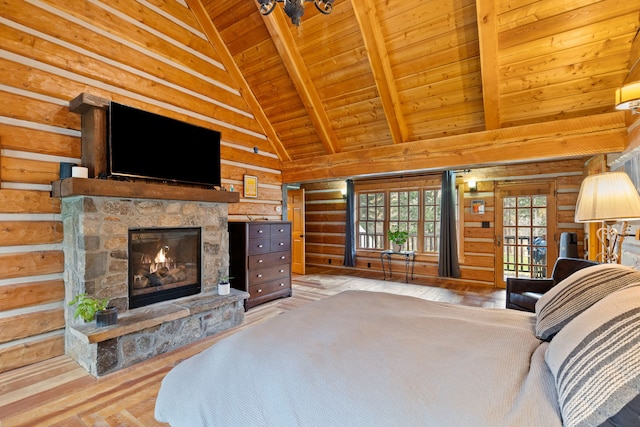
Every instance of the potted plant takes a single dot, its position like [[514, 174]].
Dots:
[[89, 308], [224, 287], [397, 238]]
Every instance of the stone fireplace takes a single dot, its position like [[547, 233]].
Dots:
[[103, 232]]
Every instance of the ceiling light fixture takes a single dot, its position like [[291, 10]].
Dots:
[[295, 8], [628, 97]]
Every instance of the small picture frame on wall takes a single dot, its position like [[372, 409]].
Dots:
[[250, 186], [477, 207]]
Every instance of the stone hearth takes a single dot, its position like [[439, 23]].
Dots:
[[96, 262]]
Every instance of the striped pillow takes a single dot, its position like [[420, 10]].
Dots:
[[578, 292], [595, 361]]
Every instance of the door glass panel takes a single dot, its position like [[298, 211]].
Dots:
[[524, 236]]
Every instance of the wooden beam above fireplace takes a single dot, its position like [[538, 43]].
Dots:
[[70, 187]]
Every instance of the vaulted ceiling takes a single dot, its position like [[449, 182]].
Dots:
[[382, 73]]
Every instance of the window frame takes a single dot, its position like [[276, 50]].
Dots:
[[407, 186]]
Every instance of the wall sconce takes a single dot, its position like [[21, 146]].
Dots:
[[608, 197], [473, 185], [628, 98]]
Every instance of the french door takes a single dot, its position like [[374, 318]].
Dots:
[[525, 230]]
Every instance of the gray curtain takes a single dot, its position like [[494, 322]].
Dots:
[[350, 232], [448, 265]]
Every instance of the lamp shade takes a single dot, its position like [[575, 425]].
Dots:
[[607, 197], [628, 96]]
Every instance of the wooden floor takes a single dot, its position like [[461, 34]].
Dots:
[[58, 392]]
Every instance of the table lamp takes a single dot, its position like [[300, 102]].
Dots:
[[608, 197]]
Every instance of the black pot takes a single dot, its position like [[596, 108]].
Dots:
[[106, 317]]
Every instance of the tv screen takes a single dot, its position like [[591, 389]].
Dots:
[[151, 146]]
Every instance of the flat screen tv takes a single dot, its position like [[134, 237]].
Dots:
[[151, 146]]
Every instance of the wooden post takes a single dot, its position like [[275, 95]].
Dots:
[[94, 132]]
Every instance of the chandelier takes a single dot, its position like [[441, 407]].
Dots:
[[295, 8]]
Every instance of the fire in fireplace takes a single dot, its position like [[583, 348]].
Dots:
[[164, 263]]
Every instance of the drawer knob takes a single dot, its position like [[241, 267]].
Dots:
[[281, 284], [259, 275], [259, 290], [281, 230], [260, 231], [281, 271], [259, 261], [260, 246], [282, 257], [281, 243]]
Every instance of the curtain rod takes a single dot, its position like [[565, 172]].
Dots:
[[411, 175]]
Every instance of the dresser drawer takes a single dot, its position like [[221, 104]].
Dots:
[[266, 288], [280, 230], [265, 260], [281, 243], [259, 246], [259, 230], [268, 273]]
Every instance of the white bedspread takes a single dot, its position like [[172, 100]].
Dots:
[[369, 359]]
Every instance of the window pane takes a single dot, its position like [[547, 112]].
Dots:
[[431, 220], [524, 201], [403, 206], [371, 221], [539, 216], [540, 201]]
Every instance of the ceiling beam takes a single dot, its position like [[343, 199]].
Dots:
[[634, 60], [230, 65], [488, 40], [366, 15], [278, 28], [562, 139]]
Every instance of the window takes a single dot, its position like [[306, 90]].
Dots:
[[416, 211], [371, 215], [404, 215], [432, 220]]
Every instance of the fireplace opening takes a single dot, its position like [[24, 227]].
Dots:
[[164, 264]]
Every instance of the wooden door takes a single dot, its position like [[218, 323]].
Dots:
[[295, 214], [526, 243]]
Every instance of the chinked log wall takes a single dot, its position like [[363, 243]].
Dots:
[[326, 214], [51, 52]]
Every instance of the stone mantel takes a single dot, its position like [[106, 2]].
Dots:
[[70, 187]]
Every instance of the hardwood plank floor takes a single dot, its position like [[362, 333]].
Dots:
[[58, 392]]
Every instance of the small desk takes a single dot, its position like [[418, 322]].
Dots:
[[409, 257]]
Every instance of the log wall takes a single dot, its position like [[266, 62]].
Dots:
[[150, 55], [325, 220]]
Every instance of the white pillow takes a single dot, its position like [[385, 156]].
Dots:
[[578, 292], [595, 360]]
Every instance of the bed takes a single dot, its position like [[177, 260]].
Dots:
[[377, 359]]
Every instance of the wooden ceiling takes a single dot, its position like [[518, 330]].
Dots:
[[383, 73]]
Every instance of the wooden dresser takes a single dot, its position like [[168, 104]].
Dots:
[[260, 260]]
